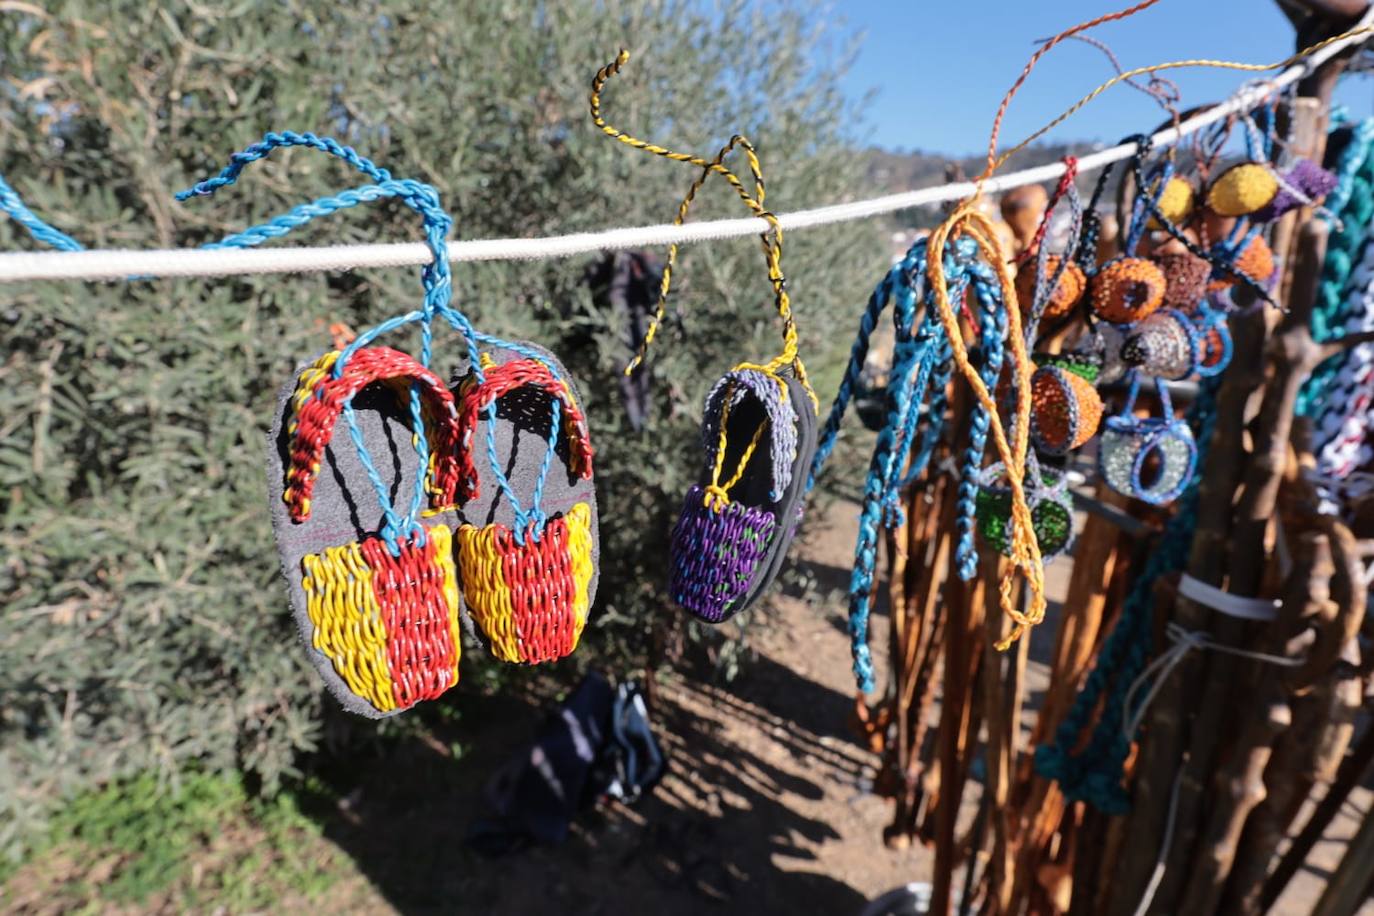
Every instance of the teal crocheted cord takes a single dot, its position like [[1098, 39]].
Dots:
[[1353, 204]]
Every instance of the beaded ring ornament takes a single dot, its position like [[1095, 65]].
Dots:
[[1147, 458], [1051, 509], [380, 613], [733, 534]]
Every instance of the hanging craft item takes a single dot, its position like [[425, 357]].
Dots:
[[1164, 345], [1127, 289], [1304, 184], [920, 373], [1185, 278], [526, 571], [1243, 189], [1065, 410], [759, 431], [1050, 504], [380, 612], [1147, 458]]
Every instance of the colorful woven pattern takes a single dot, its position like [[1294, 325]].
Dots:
[[1051, 513], [389, 625], [1066, 294], [320, 399], [1242, 189], [715, 553], [502, 380], [530, 598]]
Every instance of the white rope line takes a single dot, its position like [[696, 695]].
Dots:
[[194, 262]]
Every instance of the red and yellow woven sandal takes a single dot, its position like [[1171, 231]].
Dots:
[[378, 613], [528, 573]]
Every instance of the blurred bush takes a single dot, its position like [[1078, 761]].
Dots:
[[144, 624]]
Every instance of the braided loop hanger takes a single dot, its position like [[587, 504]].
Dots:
[[771, 240], [436, 280]]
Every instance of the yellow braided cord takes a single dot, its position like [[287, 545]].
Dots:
[[717, 496], [772, 240], [580, 554], [1025, 550], [484, 587], [310, 377], [348, 621], [443, 555], [1177, 65]]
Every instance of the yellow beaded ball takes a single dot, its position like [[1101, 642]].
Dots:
[[1175, 203], [1242, 189]]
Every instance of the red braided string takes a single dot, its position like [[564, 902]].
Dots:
[[501, 380], [315, 423]]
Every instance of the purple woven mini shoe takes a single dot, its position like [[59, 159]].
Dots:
[[1310, 180], [730, 539]]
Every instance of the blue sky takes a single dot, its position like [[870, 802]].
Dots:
[[940, 68]]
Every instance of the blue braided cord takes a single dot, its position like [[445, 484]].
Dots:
[[935, 413], [908, 418], [1094, 775], [274, 140], [1140, 210], [858, 353], [12, 204], [437, 282], [992, 331]]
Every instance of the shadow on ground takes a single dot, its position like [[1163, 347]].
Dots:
[[722, 832]]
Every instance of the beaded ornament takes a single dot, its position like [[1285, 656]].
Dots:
[[1065, 410], [1147, 458], [1164, 345], [1051, 509]]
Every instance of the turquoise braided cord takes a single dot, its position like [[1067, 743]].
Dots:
[[14, 205], [1352, 202], [897, 276], [992, 321], [278, 140], [1094, 775], [436, 279]]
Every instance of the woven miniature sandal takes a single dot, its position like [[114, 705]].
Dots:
[[529, 574], [732, 536], [380, 613]]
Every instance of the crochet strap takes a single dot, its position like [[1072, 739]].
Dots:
[[321, 398], [479, 399]]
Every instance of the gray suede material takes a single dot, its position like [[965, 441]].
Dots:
[[344, 506]]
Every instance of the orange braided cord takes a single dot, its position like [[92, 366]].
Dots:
[[389, 625], [418, 596], [1024, 549], [500, 381], [320, 398], [531, 600]]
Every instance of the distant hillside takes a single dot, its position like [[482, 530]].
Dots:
[[890, 172]]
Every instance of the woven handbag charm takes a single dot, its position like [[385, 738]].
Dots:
[[759, 430], [527, 584], [1050, 503], [1147, 458]]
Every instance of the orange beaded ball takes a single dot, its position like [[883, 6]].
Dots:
[[1065, 410], [1067, 292], [1256, 261], [1127, 289]]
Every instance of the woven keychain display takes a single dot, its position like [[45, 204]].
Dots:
[[380, 612], [758, 433]]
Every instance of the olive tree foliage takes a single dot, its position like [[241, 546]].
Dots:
[[144, 623]]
